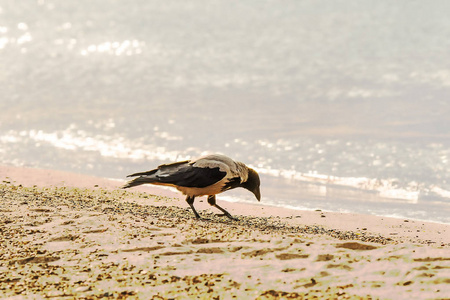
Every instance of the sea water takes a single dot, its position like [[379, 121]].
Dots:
[[339, 105]]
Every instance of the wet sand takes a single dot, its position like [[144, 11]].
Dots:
[[69, 236]]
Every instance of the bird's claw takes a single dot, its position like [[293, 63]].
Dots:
[[227, 215]]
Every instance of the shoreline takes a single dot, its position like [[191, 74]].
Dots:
[[401, 229], [71, 235]]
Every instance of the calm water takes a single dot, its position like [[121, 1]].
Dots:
[[341, 105]]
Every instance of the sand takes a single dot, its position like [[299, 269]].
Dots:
[[72, 236]]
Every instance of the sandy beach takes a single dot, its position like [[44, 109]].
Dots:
[[70, 236]]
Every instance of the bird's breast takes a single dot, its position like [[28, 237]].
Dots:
[[213, 189]]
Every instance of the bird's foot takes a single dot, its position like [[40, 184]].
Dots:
[[227, 215]]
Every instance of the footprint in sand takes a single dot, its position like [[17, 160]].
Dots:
[[355, 246], [286, 256], [210, 250], [64, 238], [36, 260], [324, 257]]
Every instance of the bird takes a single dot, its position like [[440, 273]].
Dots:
[[206, 176]]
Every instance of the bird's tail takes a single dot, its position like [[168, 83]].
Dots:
[[144, 177]]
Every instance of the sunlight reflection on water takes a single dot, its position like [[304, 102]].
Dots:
[[345, 99]]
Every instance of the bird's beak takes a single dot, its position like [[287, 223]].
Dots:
[[257, 194]]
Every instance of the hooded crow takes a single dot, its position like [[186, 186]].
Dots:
[[206, 176]]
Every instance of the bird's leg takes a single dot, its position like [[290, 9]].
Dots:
[[212, 201], [190, 201]]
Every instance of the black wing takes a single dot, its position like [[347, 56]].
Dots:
[[187, 175], [161, 167]]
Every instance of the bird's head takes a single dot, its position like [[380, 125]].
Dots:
[[252, 184]]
